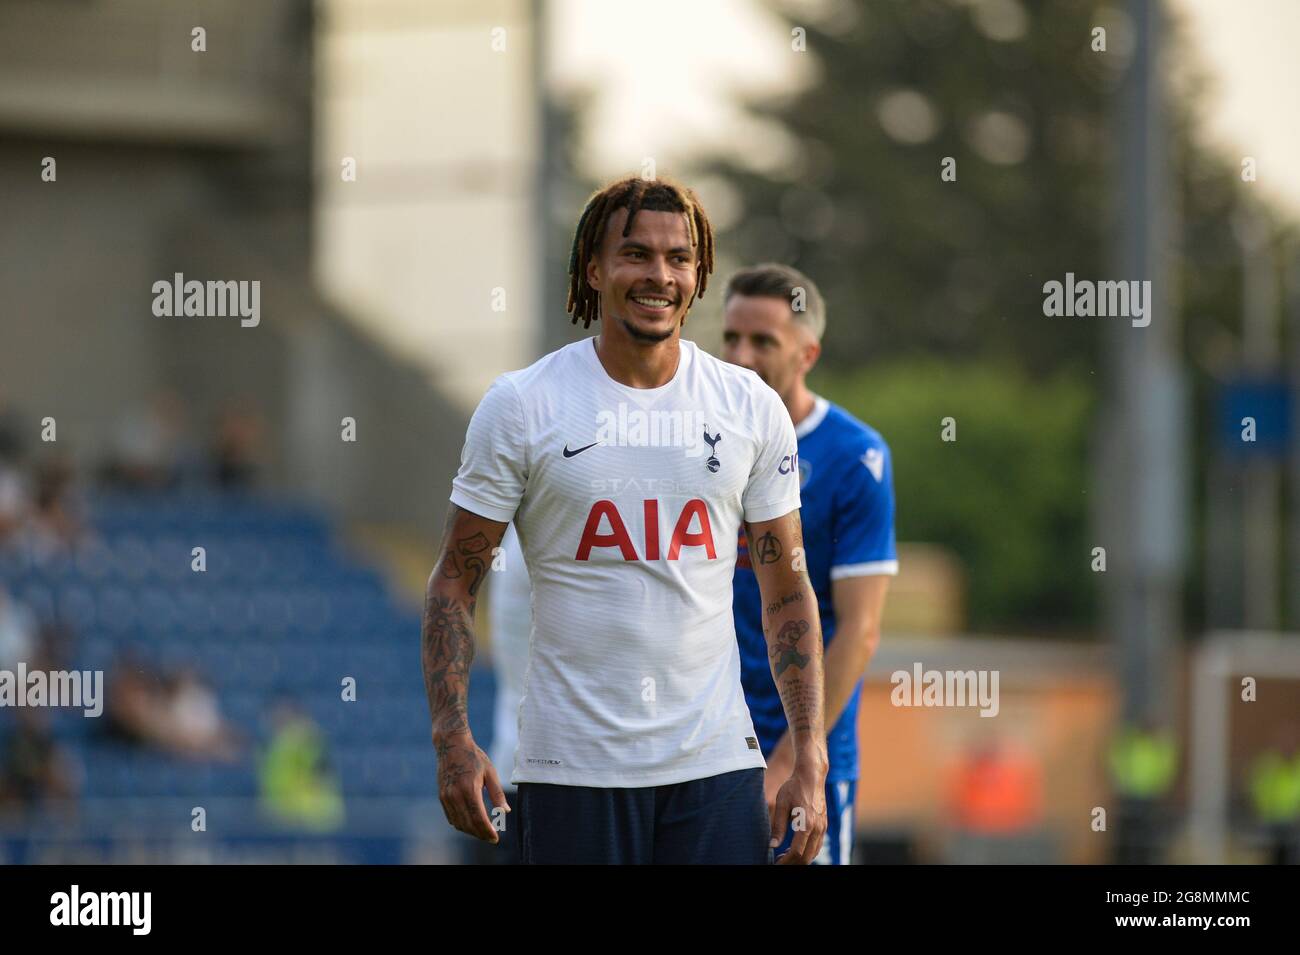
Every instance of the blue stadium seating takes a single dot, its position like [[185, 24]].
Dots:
[[282, 611]]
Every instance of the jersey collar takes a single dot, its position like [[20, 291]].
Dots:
[[809, 424]]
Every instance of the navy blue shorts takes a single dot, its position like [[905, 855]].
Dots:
[[718, 820]]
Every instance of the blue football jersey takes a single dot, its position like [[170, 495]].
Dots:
[[847, 493]]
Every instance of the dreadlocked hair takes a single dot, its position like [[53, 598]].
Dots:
[[634, 194]]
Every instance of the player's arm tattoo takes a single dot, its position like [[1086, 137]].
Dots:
[[802, 705], [767, 549], [447, 631], [785, 648], [775, 606], [793, 631], [447, 639], [456, 758], [791, 653], [466, 557]]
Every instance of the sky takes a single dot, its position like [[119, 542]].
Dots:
[[1249, 51], [672, 91]]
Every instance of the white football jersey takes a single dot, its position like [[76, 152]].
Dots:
[[628, 503]]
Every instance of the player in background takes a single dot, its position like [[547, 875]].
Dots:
[[773, 319], [628, 463], [510, 615]]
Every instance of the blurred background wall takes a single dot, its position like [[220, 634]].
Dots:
[[169, 160]]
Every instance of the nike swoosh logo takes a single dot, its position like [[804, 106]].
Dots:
[[569, 454]]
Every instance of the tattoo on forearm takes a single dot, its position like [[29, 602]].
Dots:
[[801, 702], [775, 606], [447, 652], [785, 648]]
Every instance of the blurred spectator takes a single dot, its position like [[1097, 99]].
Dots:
[[13, 502], [11, 441], [34, 769], [234, 448], [197, 726], [176, 713], [149, 445], [18, 632], [1275, 798], [56, 523], [296, 783], [995, 802], [13, 492], [997, 789], [1143, 762]]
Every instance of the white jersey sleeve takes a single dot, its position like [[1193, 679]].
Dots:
[[773, 486], [494, 461]]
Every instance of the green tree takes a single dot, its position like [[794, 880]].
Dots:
[[1008, 496], [911, 262]]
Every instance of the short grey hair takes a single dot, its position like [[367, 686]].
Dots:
[[773, 280]]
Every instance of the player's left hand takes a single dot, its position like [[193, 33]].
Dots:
[[801, 802]]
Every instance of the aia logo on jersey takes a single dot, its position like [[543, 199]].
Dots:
[[712, 463], [694, 514]]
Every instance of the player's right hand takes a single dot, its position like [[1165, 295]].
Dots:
[[463, 771]]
